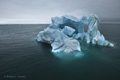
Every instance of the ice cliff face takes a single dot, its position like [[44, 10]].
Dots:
[[59, 41], [64, 32]]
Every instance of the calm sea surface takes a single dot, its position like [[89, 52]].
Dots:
[[21, 57]]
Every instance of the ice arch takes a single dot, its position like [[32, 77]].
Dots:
[[71, 21]]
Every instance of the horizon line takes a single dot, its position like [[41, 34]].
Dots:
[[50, 23]]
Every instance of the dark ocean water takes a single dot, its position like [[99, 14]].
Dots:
[[22, 58]]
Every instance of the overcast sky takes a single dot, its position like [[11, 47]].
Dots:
[[41, 11]]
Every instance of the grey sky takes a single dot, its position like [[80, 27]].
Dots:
[[41, 11]]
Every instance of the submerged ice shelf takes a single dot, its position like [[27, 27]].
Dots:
[[64, 32]]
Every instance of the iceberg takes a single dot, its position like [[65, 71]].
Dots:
[[64, 33]]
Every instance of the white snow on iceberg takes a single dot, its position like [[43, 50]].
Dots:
[[64, 32]]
